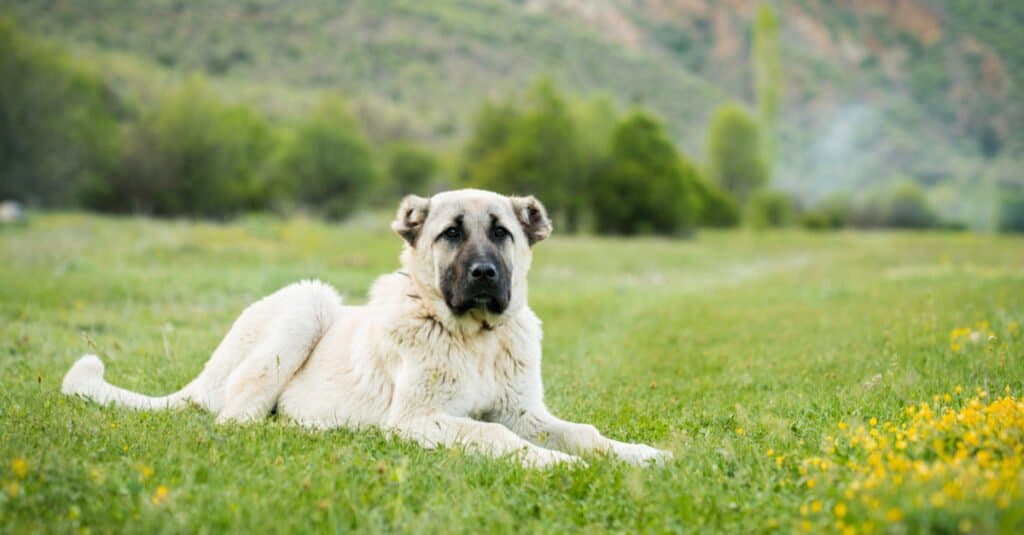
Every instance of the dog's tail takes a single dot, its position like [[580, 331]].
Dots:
[[85, 378]]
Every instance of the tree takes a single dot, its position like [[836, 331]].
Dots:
[[645, 187], [191, 154], [533, 150], [734, 153], [769, 209], [907, 207], [327, 163], [58, 122], [767, 78], [717, 207], [411, 169]]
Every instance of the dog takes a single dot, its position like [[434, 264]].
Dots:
[[446, 352]]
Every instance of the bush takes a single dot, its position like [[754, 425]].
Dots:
[[533, 149], [717, 207], [769, 209], [1011, 212], [411, 169], [735, 160], [60, 122], [190, 155], [908, 208], [327, 163], [645, 186], [830, 214]]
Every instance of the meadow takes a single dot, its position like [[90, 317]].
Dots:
[[850, 382]]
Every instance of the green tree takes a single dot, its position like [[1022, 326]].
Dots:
[[411, 169], [1011, 211], [907, 207], [59, 126], [531, 150], [769, 209], [645, 187], [767, 78], [191, 154], [734, 154], [717, 207], [327, 163]]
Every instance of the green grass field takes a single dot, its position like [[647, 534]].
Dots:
[[753, 357]]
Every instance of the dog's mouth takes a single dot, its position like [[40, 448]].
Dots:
[[482, 301]]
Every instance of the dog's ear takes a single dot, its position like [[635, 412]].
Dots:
[[412, 212], [533, 217]]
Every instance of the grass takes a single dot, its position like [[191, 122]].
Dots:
[[732, 350]]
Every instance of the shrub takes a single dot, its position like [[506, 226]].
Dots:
[[1010, 217], [645, 186], [411, 169], [735, 160], [530, 149], [907, 207], [190, 155], [327, 163], [59, 122], [831, 213], [769, 209], [717, 207]]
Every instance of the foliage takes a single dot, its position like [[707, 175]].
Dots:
[[734, 152], [717, 207], [767, 77], [769, 208], [191, 154], [645, 187], [327, 163], [533, 149], [833, 212], [1011, 211], [410, 169], [59, 122], [907, 207]]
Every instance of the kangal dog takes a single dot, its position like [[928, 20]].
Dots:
[[446, 352]]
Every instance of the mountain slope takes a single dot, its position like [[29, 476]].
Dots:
[[874, 88]]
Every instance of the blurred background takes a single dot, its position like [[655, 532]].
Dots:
[[624, 117]]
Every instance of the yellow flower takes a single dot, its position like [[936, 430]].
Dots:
[[12, 489], [811, 483], [160, 496], [959, 389], [816, 506], [873, 422], [739, 431], [842, 426], [839, 510], [19, 467], [806, 525], [145, 472], [894, 515]]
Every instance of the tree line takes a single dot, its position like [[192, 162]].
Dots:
[[69, 140]]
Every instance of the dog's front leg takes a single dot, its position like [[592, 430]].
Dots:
[[435, 429], [541, 427]]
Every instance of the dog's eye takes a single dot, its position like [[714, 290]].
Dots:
[[452, 233], [500, 232]]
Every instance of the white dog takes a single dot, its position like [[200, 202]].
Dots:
[[446, 352]]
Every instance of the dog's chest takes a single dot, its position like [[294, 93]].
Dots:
[[475, 381]]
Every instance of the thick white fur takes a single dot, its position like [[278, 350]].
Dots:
[[402, 363]]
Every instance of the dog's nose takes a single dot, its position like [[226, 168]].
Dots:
[[483, 270]]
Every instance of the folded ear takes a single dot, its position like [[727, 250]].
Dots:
[[412, 212], [533, 217]]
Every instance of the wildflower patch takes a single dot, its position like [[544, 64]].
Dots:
[[954, 464]]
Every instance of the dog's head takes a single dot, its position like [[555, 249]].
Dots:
[[470, 249]]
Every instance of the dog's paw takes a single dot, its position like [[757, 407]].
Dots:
[[541, 458], [641, 454]]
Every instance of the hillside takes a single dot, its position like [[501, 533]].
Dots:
[[873, 89]]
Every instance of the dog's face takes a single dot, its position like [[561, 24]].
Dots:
[[471, 248]]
